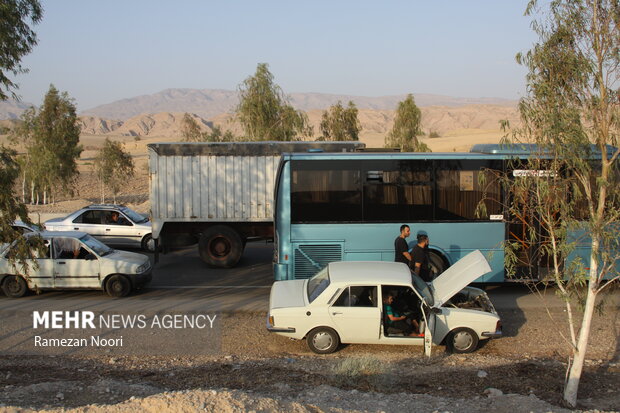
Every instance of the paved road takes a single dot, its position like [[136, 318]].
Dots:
[[183, 283]]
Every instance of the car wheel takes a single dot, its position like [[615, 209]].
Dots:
[[14, 286], [220, 246], [323, 340], [118, 286], [462, 340], [148, 243]]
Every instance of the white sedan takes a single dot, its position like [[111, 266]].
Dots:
[[346, 302], [72, 260]]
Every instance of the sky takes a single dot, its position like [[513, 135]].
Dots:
[[102, 51]]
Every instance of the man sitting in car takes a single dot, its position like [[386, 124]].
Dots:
[[65, 247], [115, 219]]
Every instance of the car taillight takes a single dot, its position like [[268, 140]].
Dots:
[[271, 321]]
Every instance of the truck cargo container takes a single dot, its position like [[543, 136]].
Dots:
[[219, 195]]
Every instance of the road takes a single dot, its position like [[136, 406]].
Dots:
[[182, 282]]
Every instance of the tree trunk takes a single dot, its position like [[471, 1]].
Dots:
[[579, 353]]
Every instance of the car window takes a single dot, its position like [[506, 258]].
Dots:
[[38, 250], [133, 215], [91, 217], [68, 248], [98, 247], [317, 284], [116, 218], [357, 296], [21, 230]]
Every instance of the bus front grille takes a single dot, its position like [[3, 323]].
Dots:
[[310, 259]]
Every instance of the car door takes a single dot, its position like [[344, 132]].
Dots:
[[121, 232], [40, 275], [357, 315], [90, 222], [70, 272]]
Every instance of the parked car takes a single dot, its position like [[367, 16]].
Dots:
[[114, 225], [73, 260], [22, 228], [344, 303]]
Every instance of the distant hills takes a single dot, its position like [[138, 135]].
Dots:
[[208, 103], [160, 114]]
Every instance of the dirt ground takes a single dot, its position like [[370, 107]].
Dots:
[[521, 372]]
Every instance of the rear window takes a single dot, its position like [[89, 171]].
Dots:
[[318, 284]]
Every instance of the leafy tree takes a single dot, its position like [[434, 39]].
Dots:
[[113, 166], [264, 110], [191, 132], [340, 124], [16, 39], [572, 112], [407, 128], [51, 136]]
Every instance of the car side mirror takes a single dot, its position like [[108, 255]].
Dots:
[[436, 310], [90, 257]]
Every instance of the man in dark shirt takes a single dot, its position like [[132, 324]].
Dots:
[[401, 249], [420, 258]]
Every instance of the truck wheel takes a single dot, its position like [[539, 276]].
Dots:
[[220, 246]]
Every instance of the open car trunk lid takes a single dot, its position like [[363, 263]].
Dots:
[[287, 294], [458, 276]]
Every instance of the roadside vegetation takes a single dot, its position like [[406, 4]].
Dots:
[[572, 114]]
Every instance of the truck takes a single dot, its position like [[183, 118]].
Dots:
[[219, 195]]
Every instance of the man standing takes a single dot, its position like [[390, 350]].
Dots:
[[401, 249], [420, 258]]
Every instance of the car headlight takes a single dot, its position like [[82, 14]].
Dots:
[[143, 267]]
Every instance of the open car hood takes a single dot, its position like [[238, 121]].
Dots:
[[458, 276]]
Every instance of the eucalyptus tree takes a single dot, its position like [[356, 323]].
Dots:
[[341, 124], [572, 114], [113, 166], [264, 110], [51, 136], [16, 39], [191, 132], [407, 127]]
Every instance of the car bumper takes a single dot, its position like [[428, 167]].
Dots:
[[496, 334], [140, 280], [273, 329]]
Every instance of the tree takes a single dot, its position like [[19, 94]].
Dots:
[[51, 136], [16, 39], [572, 112], [191, 132], [407, 128], [264, 110], [340, 124], [113, 166]]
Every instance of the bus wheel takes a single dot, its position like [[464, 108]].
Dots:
[[220, 246], [437, 264]]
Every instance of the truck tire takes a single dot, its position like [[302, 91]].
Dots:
[[220, 246], [436, 263]]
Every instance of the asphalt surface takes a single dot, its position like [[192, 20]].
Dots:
[[182, 282]]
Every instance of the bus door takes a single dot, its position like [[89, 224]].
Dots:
[[532, 261]]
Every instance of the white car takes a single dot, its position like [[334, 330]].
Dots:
[[114, 225], [346, 301], [72, 260], [22, 228]]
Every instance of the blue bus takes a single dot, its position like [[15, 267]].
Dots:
[[350, 206]]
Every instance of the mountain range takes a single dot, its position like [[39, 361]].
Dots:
[[208, 103]]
